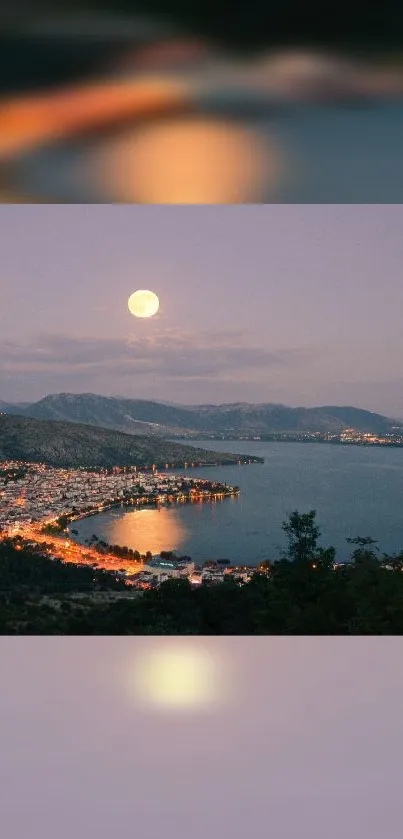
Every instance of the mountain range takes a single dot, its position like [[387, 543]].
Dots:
[[139, 416]]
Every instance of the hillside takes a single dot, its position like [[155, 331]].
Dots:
[[132, 416], [73, 444], [137, 416]]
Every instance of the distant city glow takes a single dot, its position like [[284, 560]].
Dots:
[[143, 303], [178, 678]]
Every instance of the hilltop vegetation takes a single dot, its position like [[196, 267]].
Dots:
[[302, 593], [73, 445], [138, 416], [27, 571]]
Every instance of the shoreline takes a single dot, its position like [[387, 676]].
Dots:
[[192, 496], [63, 543], [152, 502], [273, 439], [181, 498]]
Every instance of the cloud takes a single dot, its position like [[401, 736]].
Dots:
[[173, 354]]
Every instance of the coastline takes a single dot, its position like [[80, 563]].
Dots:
[[151, 501], [390, 444], [218, 527], [59, 537]]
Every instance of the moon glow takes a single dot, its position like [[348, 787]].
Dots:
[[143, 303], [177, 679]]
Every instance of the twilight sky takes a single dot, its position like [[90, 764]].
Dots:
[[308, 744], [297, 304]]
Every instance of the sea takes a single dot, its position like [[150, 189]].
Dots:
[[335, 154], [356, 491]]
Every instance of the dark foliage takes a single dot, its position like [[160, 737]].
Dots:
[[307, 596], [27, 571], [79, 445]]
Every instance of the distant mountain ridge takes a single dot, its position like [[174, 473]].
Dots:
[[68, 444], [140, 416], [13, 407], [137, 416]]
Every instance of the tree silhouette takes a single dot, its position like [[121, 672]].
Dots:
[[302, 536]]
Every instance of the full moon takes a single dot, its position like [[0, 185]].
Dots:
[[143, 303], [177, 678]]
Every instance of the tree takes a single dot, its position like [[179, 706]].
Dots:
[[365, 552], [325, 557], [302, 536]]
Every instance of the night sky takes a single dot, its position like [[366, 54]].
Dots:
[[294, 304], [307, 743]]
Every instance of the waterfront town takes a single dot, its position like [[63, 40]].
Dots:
[[350, 436], [38, 503]]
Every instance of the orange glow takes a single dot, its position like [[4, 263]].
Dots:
[[27, 121], [196, 161], [76, 554], [152, 530]]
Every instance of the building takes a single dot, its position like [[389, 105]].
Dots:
[[170, 566]]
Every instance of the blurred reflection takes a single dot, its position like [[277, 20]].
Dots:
[[319, 77], [130, 110], [177, 676], [152, 530], [43, 118], [192, 161]]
